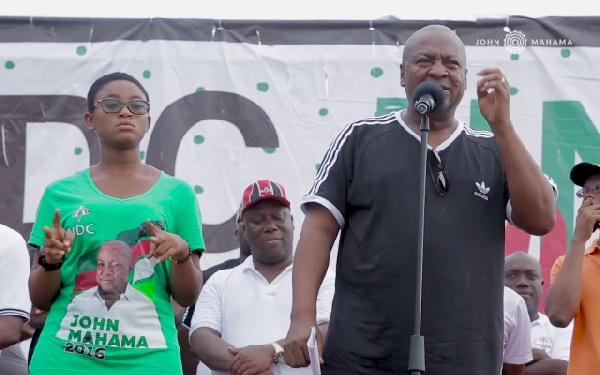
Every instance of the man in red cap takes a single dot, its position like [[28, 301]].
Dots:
[[243, 314]]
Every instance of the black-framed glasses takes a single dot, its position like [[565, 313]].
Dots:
[[438, 172], [594, 188], [137, 107]]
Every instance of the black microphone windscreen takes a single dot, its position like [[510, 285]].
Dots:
[[433, 89]]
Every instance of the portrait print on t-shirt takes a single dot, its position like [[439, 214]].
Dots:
[[112, 305]]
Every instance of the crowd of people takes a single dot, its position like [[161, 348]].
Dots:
[[126, 293]]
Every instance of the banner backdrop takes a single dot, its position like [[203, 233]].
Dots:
[[236, 101]]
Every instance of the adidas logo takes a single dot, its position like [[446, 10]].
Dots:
[[482, 190], [81, 211]]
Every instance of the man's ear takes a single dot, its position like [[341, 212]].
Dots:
[[402, 71]]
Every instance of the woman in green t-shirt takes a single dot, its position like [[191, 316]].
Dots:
[[114, 243]]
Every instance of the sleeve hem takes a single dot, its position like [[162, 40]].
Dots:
[[325, 203]]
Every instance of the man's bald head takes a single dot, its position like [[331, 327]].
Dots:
[[417, 36], [117, 247], [521, 259]]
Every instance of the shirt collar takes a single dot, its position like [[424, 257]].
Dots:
[[121, 297], [541, 321], [249, 265], [593, 248]]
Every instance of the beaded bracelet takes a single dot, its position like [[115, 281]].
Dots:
[[188, 257]]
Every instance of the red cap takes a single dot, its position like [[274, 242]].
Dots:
[[261, 190]]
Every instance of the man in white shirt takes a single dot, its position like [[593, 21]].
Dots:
[[517, 334], [14, 298], [243, 314], [551, 345]]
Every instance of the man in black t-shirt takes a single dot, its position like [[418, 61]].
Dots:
[[368, 187], [188, 360]]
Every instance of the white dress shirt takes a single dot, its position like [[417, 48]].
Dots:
[[517, 331], [240, 304]]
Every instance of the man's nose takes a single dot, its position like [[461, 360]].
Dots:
[[438, 69], [523, 281]]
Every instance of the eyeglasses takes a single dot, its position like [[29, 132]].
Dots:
[[113, 266], [595, 189], [438, 172], [137, 107]]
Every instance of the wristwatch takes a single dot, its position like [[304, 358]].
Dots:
[[47, 266], [279, 354]]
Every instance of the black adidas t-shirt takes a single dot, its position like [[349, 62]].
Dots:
[[369, 180]]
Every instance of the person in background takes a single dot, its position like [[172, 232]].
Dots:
[[243, 313], [574, 293], [550, 345], [191, 365]]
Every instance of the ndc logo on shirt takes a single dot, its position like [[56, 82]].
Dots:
[[543, 343], [483, 190], [80, 229], [81, 211]]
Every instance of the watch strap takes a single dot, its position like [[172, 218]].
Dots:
[[47, 266], [278, 356]]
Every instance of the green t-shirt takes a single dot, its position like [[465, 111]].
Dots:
[[134, 331]]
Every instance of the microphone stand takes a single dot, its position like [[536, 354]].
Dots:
[[416, 355]]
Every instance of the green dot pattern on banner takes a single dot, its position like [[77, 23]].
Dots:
[[376, 72], [9, 65], [323, 112], [200, 89], [142, 155], [565, 52], [262, 86], [269, 150], [147, 74], [318, 166], [81, 50], [514, 56], [198, 139], [514, 90], [78, 150], [198, 189]]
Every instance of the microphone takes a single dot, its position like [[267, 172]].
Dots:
[[428, 97]]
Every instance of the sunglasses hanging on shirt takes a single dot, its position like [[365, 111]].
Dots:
[[438, 172]]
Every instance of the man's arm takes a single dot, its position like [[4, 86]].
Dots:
[[564, 296], [531, 196], [10, 330], [549, 366], [311, 261], [208, 346], [510, 369]]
